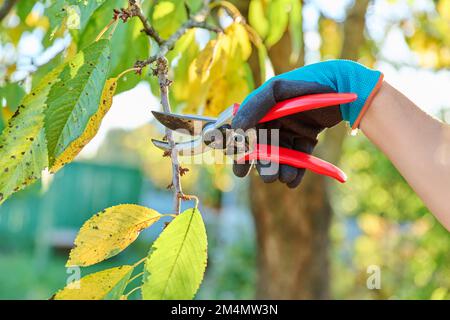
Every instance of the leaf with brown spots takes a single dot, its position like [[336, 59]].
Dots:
[[109, 232], [104, 285], [91, 128], [23, 152], [74, 100]]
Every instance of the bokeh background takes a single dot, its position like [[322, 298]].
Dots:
[[264, 241]]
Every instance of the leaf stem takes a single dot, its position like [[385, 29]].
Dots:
[[105, 29], [132, 291], [127, 71], [113, 29], [135, 277], [189, 197], [139, 262], [229, 7]]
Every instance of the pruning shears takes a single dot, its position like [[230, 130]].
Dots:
[[216, 133]]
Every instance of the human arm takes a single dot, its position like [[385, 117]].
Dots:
[[417, 144]]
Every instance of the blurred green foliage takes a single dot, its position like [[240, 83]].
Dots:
[[381, 221], [378, 219]]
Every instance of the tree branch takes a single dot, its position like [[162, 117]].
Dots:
[[196, 21], [135, 11], [6, 8], [164, 83], [170, 43], [161, 71]]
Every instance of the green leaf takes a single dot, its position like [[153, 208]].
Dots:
[[127, 35], [24, 7], [194, 5], [87, 8], [91, 128], [12, 93], [56, 14], [76, 97], [257, 18], [75, 13], [177, 260], [104, 285], [109, 232], [168, 15], [263, 57], [270, 20], [2, 121], [278, 16], [23, 147], [296, 28]]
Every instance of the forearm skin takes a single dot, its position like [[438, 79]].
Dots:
[[416, 143]]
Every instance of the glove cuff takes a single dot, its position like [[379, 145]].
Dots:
[[363, 81], [368, 102]]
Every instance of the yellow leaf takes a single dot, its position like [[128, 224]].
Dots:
[[185, 51], [332, 38], [35, 20], [217, 77], [240, 42], [91, 129], [443, 8], [201, 65], [104, 285], [109, 232]]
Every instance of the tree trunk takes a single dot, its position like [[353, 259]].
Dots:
[[293, 225]]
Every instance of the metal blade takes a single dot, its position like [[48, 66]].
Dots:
[[192, 125], [188, 148]]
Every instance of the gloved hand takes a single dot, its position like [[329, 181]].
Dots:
[[300, 131]]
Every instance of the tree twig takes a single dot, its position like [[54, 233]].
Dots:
[[6, 8], [135, 11], [196, 21], [164, 83], [161, 72], [170, 43]]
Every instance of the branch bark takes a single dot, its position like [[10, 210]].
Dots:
[[161, 72], [164, 83], [196, 21], [135, 11], [6, 8]]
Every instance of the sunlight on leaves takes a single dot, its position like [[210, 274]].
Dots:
[[23, 147], [91, 128], [168, 15], [177, 260], [104, 285], [109, 232], [76, 97]]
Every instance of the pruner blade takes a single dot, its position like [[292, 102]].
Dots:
[[192, 125], [187, 148]]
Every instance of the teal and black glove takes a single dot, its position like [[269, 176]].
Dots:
[[300, 131]]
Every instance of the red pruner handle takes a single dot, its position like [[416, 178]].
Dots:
[[305, 103], [295, 159]]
